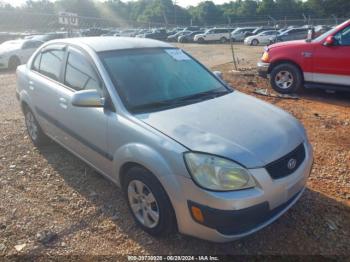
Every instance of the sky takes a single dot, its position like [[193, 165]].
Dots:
[[183, 3]]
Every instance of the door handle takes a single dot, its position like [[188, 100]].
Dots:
[[63, 103], [31, 85]]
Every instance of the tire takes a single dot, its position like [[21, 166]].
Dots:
[[223, 40], [286, 78], [255, 42], [34, 130], [14, 62], [136, 178], [201, 40]]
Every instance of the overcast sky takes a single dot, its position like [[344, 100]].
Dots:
[[183, 3]]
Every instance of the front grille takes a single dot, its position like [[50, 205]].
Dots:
[[283, 166]]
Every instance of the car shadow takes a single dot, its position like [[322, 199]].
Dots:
[[317, 224], [339, 98]]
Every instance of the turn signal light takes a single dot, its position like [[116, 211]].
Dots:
[[265, 57], [197, 214]]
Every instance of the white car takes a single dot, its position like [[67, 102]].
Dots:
[[17, 52], [263, 38], [214, 34], [239, 34]]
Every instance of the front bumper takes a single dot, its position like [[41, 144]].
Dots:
[[263, 69], [230, 216]]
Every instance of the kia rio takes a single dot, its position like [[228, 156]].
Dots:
[[190, 153]]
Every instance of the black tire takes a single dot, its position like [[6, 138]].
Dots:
[[223, 40], [39, 139], [14, 62], [201, 40], [255, 42], [167, 221], [291, 79]]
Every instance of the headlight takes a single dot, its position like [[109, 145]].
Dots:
[[216, 173]]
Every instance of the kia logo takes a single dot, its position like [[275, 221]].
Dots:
[[292, 163]]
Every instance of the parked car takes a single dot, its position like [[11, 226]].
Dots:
[[262, 38], [189, 37], [291, 34], [239, 33], [259, 30], [48, 36], [320, 63], [174, 37], [214, 35], [162, 137], [157, 34], [17, 52]]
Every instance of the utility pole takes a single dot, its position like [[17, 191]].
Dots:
[[175, 11]]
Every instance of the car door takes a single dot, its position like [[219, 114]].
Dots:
[[211, 35], [84, 127], [43, 83], [332, 63]]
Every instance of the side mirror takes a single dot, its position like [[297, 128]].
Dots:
[[310, 35], [87, 98], [218, 74], [329, 41]]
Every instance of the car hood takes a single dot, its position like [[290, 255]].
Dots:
[[288, 43], [235, 126], [8, 49], [200, 35]]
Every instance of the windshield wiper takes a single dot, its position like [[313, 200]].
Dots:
[[166, 104]]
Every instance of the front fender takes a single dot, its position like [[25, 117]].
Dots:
[[142, 155]]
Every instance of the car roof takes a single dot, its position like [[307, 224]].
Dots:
[[111, 43]]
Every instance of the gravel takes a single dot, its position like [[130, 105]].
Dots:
[[51, 203]]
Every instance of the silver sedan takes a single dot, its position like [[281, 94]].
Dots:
[[190, 153]]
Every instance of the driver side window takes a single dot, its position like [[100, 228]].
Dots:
[[343, 37]]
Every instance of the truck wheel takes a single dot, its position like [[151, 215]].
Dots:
[[148, 202], [255, 42], [34, 130], [286, 78], [14, 62]]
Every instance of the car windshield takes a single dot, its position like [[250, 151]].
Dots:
[[324, 35], [157, 79]]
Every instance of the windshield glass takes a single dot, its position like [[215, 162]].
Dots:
[[330, 32], [156, 79]]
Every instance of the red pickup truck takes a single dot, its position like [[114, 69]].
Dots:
[[323, 62]]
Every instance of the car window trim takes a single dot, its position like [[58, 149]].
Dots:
[[73, 50]]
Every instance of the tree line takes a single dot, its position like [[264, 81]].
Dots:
[[167, 12]]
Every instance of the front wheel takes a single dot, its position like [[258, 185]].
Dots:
[[286, 78], [201, 40], [148, 202], [14, 62], [255, 42]]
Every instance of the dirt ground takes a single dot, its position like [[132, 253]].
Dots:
[[52, 203]]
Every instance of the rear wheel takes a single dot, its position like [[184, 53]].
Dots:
[[34, 130], [148, 202], [223, 40], [14, 63], [286, 78]]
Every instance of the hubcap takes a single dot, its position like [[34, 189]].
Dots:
[[284, 79], [31, 126], [143, 204]]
